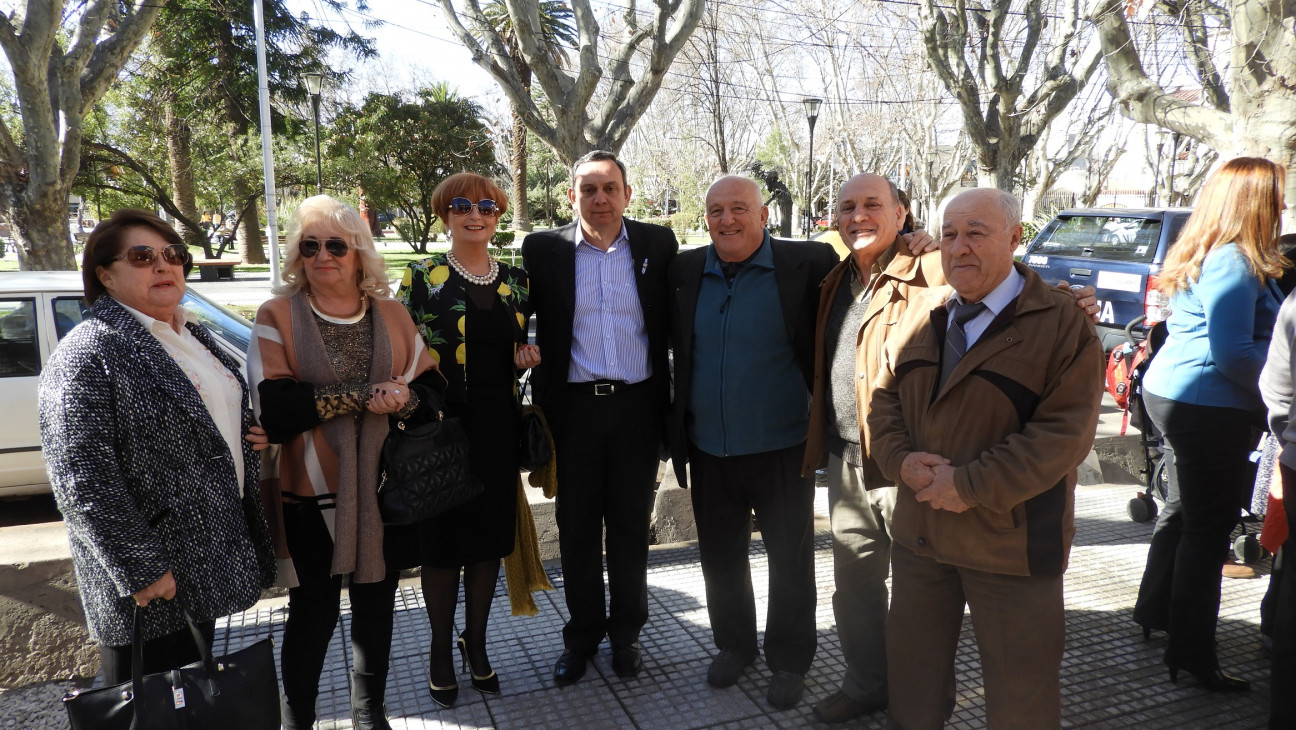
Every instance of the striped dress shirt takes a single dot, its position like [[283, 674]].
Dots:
[[609, 341]]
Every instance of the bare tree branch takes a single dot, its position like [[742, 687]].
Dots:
[[579, 122]]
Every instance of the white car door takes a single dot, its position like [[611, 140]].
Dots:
[[22, 352]]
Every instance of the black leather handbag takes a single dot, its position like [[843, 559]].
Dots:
[[534, 447], [534, 450], [424, 471], [238, 690]]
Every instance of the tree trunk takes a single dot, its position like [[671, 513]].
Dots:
[[250, 247], [180, 157], [41, 231], [521, 206], [53, 89]]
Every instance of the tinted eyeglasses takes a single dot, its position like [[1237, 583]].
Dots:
[[336, 247], [464, 206], [144, 256]]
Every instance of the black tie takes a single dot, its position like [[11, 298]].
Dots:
[[956, 343]]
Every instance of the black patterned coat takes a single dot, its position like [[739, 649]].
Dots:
[[145, 481]]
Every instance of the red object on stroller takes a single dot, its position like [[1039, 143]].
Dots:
[[1125, 366]]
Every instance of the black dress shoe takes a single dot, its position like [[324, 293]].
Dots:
[[1214, 680], [570, 668], [627, 660]]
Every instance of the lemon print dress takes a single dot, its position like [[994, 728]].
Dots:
[[472, 330]]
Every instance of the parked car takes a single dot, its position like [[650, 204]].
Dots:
[[1118, 251], [37, 309]]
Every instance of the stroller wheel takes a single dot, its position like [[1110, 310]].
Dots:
[[1160, 485], [1247, 549], [1142, 508]]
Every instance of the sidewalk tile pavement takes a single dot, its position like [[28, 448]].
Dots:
[[1111, 677]]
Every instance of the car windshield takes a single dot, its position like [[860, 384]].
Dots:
[[227, 324], [1111, 238]]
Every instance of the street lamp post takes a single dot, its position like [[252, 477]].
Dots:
[[1174, 155], [812, 113], [314, 83]]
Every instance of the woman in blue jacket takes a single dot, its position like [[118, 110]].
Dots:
[[1202, 393]]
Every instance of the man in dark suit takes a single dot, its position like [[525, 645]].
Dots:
[[743, 321], [598, 290]]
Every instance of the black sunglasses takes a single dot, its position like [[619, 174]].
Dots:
[[464, 206], [142, 256], [337, 248]]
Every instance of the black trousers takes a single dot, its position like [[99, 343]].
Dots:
[[312, 616], [1208, 450], [164, 653], [1282, 701], [607, 455], [726, 492]]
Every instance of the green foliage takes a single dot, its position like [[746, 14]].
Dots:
[[398, 151], [547, 183], [774, 151], [205, 50], [503, 239], [200, 64], [656, 221], [684, 222], [1029, 229]]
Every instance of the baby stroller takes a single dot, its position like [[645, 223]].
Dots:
[[1126, 367]]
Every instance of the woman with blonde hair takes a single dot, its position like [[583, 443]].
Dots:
[[335, 361], [470, 309], [1202, 392]]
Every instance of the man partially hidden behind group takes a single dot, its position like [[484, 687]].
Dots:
[[859, 302], [984, 407]]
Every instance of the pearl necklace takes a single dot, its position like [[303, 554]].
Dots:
[[468, 275]]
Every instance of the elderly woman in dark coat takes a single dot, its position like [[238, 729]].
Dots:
[[143, 419]]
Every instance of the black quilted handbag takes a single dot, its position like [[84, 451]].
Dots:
[[424, 471], [238, 690]]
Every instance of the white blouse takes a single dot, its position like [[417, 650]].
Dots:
[[216, 385]]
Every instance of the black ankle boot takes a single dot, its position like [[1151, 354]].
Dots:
[[301, 718], [367, 693]]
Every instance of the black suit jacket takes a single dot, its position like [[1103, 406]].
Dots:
[[549, 258], [799, 269]]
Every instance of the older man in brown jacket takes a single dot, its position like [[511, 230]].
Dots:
[[859, 302], [986, 404]]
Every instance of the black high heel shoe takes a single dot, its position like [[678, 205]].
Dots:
[[1214, 680], [488, 684], [443, 696]]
